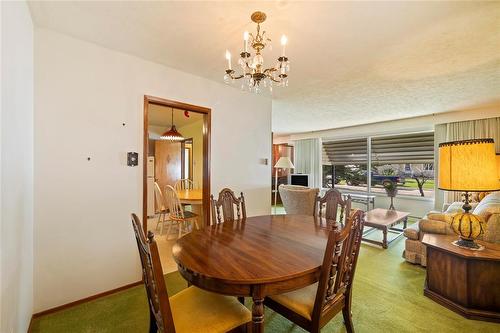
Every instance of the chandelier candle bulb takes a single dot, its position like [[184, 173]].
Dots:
[[228, 57], [283, 43], [245, 39]]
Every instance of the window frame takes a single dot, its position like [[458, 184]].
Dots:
[[369, 167]]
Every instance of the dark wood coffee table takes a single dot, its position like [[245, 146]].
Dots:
[[463, 280], [385, 220]]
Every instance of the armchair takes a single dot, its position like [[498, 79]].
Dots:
[[298, 199]]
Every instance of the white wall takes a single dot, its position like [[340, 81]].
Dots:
[[16, 204], [84, 242]]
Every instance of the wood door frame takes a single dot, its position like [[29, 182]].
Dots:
[[183, 158], [206, 151]]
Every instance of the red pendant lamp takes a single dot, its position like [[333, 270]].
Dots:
[[172, 134]]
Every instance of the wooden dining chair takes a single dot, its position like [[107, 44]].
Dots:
[[162, 208], [314, 306], [227, 200], [191, 310], [177, 215], [184, 184], [328, 206]]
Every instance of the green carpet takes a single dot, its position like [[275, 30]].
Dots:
[[387, 298]]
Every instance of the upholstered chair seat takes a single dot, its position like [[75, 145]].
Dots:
[[299, 301], [197, 310]]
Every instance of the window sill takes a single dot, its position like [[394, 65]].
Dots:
[[377, 194]]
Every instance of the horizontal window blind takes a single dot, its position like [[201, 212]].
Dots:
[[345, 152], [398, 149]]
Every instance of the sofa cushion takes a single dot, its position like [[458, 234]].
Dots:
[[455, 207], [435, 227], [488, 206], [437, 216]]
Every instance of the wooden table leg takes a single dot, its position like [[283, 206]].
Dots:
[[258, 315], [384, 241]]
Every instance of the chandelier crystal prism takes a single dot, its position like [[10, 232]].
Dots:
[[253, 72]]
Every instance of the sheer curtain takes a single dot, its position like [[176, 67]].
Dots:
[[307, 160], [463, 130]]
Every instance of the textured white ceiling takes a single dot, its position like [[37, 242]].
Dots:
[[351, 62]]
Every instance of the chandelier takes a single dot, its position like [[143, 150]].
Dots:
[[252, 68]]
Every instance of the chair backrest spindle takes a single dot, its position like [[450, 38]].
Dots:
[[173, 203], [184, 184]]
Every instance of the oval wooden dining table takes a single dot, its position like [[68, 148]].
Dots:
[[256, 257]]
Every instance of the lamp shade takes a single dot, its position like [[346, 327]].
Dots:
[[498, 165], [172, 135], [284, 163], [468, 166]]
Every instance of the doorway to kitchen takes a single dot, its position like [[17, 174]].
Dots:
[[176, 166]]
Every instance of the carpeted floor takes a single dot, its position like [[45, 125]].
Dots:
[[387, 298]]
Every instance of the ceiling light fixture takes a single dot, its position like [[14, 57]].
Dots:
[[172, 134], [253, 68]]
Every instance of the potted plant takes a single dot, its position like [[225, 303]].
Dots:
[[391, 189]]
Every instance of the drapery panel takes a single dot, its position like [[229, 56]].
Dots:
[[464, 130], [307, 160]]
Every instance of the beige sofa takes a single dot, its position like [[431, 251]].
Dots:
[[298, 199], [438, 223]]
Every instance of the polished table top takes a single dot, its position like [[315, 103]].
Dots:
[[193, 194], [260, 249], [491, 251], [257, 257]]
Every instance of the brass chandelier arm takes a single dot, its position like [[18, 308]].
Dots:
[[236, 77]]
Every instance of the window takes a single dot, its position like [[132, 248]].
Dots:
[[407, 160], [345, 164]]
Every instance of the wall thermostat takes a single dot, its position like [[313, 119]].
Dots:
[[132, 159]]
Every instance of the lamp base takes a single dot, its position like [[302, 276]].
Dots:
[[468, 244]]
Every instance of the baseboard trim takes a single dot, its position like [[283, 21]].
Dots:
[[83, 300]]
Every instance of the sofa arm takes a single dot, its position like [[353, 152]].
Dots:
[[412, 232], [434, 227]]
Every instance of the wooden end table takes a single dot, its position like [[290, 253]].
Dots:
[[463, 280], [384, 219]]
